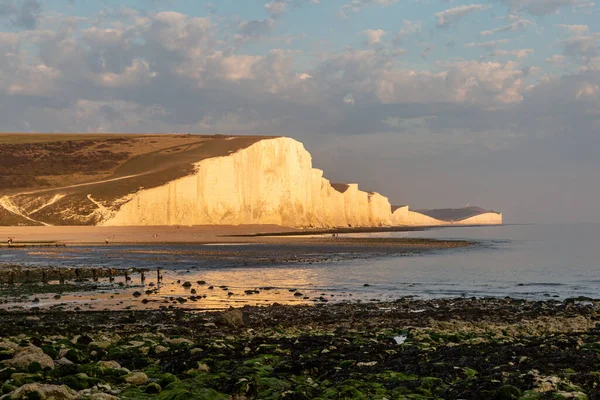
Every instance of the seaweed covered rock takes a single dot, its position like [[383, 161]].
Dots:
[[136, 378], [233, 318], [24, 357], [43, 392]]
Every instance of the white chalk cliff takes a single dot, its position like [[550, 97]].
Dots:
[[236, 181], [269, 182], [404, 216]]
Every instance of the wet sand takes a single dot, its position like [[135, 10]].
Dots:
[[211, 277], [135, 234]]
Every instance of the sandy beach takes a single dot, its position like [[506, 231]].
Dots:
[[135, 234]]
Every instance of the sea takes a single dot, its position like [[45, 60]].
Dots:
[[537, 261]]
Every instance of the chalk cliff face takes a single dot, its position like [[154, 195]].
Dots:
[[269, 182], [404, 216], [193, 180]]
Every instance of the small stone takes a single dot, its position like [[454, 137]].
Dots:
[[153, 388], [203, 368], [160, 349], [201, 282], [233, 318], [85, 340], [366, 364], [109, 364], [40, 391], [136, 378], [178, 341], [136, 294], [64, 361]]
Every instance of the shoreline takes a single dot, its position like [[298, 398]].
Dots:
[[88, 235]]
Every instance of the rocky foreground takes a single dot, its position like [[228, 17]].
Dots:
[[407, 349]]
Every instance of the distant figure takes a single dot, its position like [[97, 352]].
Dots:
[[106, 241], [10, 241]]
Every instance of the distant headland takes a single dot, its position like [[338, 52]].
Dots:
[[175, 179]]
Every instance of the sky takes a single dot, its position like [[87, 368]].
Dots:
[[432, 103]]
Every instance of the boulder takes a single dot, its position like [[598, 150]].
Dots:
[[24, 356], [136, 378], [44, 392]]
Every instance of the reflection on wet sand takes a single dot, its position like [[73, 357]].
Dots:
[[198, 276]]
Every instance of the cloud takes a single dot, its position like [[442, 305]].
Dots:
[[518, 25], [542, 7], [254, 29], [25, 14], [519, 53], [453, 15], [574, 29], [276, 8], [556, 59], [581, 47], [7, 7], [374, 36], [357, 5], [408, 28], [489, 45]]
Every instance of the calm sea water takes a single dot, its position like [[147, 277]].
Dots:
[[526, 261], [523, 261]]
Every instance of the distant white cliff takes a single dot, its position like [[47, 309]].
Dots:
[[404, 216]]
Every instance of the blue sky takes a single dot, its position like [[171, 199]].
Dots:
[[431, 103]]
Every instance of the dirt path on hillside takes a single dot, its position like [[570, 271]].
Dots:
[[7, 203]]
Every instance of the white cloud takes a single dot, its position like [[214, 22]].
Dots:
[[518, 25], [543, 7], [357, 5], [453, 15], [374, 36], [556, 59], [574, 29], [519, 53], [276, 8], [489, 45], [408, 28], [581, 47]]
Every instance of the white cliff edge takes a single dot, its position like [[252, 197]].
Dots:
[[269, 182]]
